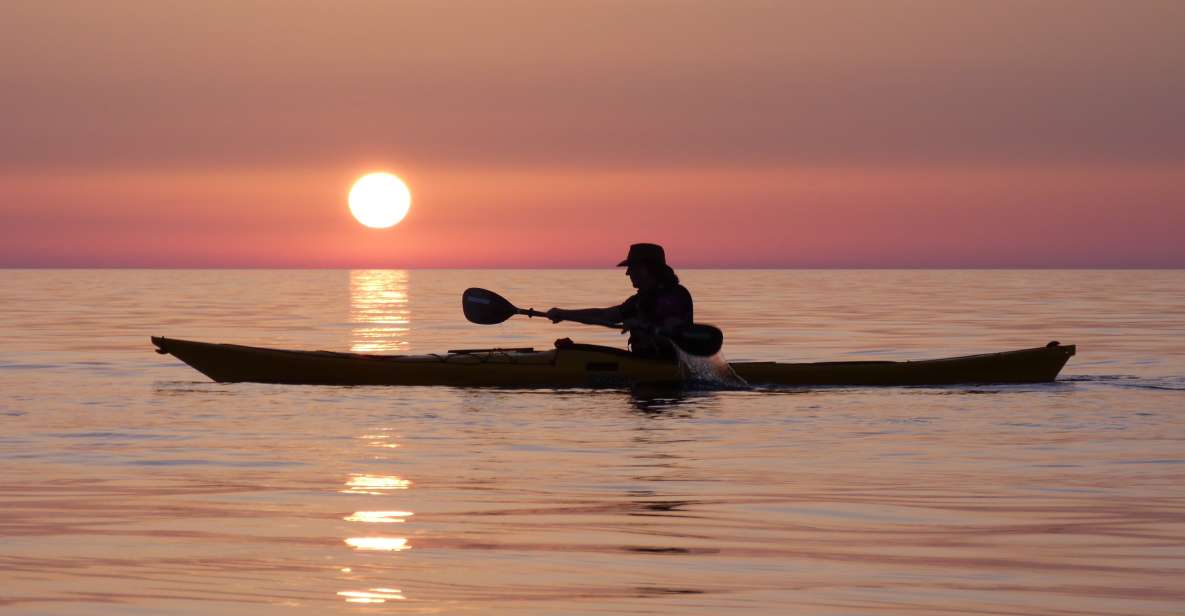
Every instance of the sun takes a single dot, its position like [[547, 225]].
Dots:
[[379, 200]]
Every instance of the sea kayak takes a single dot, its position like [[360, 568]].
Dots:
[[586, 365]]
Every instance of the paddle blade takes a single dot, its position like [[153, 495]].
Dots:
[[486, 307], [699, 339]]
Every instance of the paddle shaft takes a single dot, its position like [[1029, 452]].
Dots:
[[488, 308], [530, 312]]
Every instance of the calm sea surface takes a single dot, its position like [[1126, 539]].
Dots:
[[130, 484]]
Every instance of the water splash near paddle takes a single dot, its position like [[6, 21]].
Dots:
[[712, 371]]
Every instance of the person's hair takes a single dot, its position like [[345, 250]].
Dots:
[[666, 274], [661, 272]]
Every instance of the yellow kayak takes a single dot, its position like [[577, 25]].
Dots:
[[586, 365]]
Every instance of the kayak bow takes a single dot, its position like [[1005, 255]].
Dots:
[[586, 365]]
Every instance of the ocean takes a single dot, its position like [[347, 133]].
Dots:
[[131, 484]]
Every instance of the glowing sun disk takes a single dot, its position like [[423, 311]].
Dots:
[[379, 200]]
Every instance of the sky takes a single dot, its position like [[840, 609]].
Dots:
[[537, 133]]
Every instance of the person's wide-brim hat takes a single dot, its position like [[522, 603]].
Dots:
[[651, 254]]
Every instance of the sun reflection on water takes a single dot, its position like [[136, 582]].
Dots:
[[373, 595], [374, 484], [379, 440], [385, 544], [378, 517], [379, 311]]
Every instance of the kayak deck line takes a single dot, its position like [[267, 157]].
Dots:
[[587, 365]]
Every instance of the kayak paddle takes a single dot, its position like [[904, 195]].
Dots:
[[488, 308]]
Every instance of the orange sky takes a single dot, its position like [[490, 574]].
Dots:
[[537, 133]]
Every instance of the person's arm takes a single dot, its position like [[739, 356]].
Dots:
[[610, 317]]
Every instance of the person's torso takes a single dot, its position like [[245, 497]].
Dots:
[[664, 306]]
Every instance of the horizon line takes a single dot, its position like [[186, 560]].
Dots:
[[599, 268]]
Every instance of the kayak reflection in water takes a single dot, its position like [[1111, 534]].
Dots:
[[660, 305]]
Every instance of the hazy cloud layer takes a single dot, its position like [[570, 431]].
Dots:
[[594, 84]]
